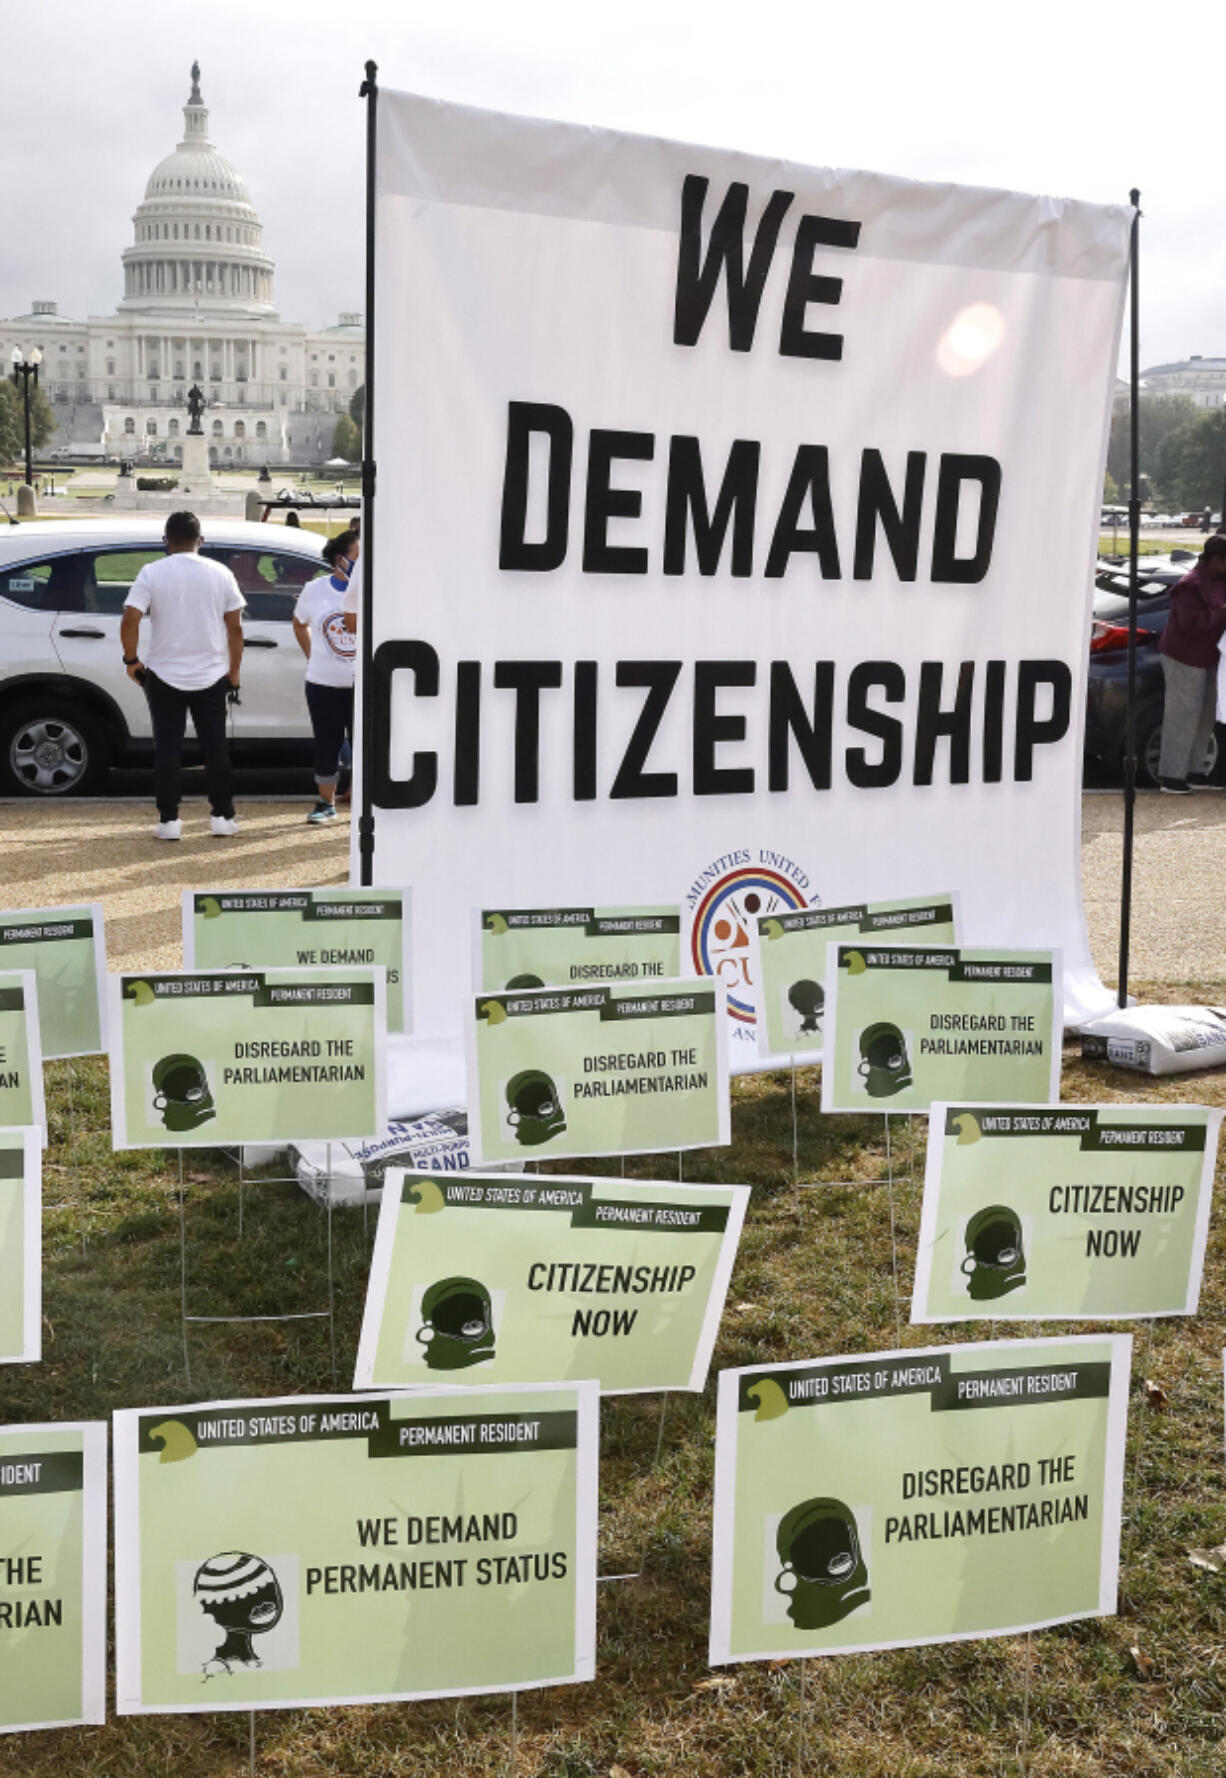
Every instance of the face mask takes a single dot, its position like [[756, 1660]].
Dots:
[[535, 1107], [884, 1065], [823, 1575], [181, 1092], [457, 1327], [995, 1263]]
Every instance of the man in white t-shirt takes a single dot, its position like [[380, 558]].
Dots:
[[190, 667], [330, 646]]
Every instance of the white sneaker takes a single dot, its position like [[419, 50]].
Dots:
[[221, 826], [168, 830]]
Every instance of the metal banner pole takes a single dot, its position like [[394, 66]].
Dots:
[[889, 1173], [1022, 1761], [364, 776], [1129, 1539], [660, 1435], [72, 1104], [187, 1360], [1134, 527], [800, 1719], [331, 1284]]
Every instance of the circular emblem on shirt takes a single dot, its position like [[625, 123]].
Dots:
[[341, 641]]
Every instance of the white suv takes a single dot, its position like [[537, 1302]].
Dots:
[[68, 710]]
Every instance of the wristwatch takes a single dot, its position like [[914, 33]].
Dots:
[[134, 662]]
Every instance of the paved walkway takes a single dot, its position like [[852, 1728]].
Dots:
[[56, 854], [99, 851], [1178, 887]]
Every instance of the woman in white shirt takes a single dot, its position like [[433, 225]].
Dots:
[[319, 625]]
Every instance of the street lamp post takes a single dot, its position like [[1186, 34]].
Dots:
[[23, 369]]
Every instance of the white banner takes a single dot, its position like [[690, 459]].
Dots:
[[733, 538]]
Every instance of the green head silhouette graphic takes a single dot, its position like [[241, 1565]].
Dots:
[[181, 1092], [523, 981], [457, 1324], [995, 1262], [884, 1066], [809, 1000], [242, 1595], [535, 1107], [823, 1576]]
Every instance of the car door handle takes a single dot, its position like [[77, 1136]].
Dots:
[[93, 635], [259, 642]]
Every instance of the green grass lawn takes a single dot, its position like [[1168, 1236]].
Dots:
[[1112, 543], [814, 1277]]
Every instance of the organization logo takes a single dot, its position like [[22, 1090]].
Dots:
[[724, 900], [341, 641]]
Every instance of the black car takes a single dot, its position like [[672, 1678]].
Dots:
[[1107, 692]]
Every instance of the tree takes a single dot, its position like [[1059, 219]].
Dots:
[[1192, 461], [1111, 493], [1157, 417], [13, 425], [42, 420], [357, 406], [346, 439], [11, 436]]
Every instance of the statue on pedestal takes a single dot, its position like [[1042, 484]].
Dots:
[[195, 407]]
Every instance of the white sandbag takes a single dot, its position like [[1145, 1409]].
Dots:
[[346, 1172], [1158, 1039], [424, 1074]]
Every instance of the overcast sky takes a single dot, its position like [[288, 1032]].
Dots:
[[1074, 99]]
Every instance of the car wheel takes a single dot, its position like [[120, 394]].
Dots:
[[1149, 749], [48, 748]]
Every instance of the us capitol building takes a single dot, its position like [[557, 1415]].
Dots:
[[197, 308]]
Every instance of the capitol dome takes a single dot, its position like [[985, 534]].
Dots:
[[197, 242]]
